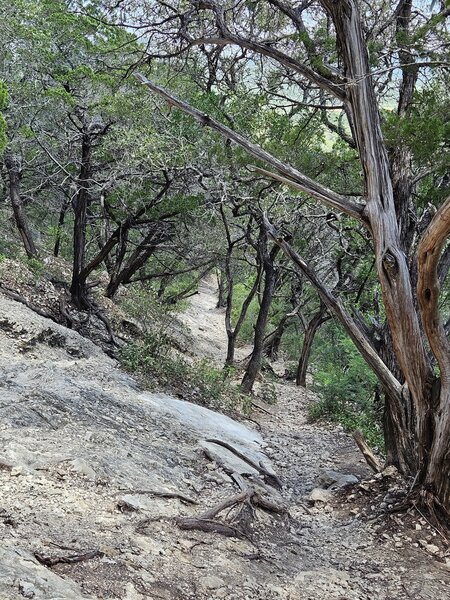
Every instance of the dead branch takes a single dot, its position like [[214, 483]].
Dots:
[[50, 561], [367, 452], [315, 189], [270, 478]]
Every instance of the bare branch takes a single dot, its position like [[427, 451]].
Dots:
[[301, 181], [387, 379]]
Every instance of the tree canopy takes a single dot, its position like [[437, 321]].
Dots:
[[300, 151]]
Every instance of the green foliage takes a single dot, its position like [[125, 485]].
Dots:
[[3, 104], [346, 386], [240, 293], [159, 364], [36, 266], [267, 392], [154, 359]]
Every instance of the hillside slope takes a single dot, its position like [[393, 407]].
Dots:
[[95, 471]]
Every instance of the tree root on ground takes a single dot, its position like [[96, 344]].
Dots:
[[241, 510], [50, 561], [269, 477]]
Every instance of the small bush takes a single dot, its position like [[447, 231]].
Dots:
[[36, 266], [346, 387], [155, 361]]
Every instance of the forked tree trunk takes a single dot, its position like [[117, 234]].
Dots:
[[13, 165]]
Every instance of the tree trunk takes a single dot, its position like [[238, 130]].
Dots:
[[13, 165], [232, 333], [61, 219], [270, 277], [78, 287], [310, 332], [391, 262], [273, 340], [221, 300]]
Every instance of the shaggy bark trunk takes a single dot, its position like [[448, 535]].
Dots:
[[310, 333], [428, 288], [13, 165], [391, 262]]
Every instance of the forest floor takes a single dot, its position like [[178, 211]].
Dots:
[[95, 474]]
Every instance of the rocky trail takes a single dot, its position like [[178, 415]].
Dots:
[[101, 481]]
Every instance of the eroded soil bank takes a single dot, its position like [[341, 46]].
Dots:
[[95, 471]]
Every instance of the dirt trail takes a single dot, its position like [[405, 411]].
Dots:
[[332, 552], [86, 457], [206, 323]]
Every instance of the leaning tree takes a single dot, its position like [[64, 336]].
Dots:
[[364, 61]]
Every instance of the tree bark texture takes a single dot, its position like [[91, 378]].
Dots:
[[13, 165], [311, 329], [270, 277], [78, 289]]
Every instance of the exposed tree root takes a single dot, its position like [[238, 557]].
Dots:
[[64, 317], [163, 494], [19, 298], [429, 507], [367, 452], [237, 523], [50, 561]]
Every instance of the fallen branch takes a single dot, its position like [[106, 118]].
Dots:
[[19, 298], [367, 452], [51, 561], [163, 494]]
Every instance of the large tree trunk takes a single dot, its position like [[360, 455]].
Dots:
[[391, 262], [437, 476], [13, 165]]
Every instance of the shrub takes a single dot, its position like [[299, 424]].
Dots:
[[346, 386], [158, 364]]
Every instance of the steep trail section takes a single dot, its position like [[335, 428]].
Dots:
[[85, 458], [207, 325]]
